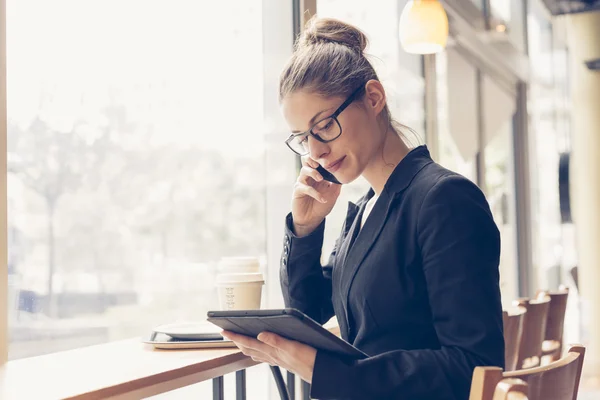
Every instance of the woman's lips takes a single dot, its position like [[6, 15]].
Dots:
[[336, 165]]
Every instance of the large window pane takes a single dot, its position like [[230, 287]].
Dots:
[[138, 137], [548, 134], [554, 248], [136, 160], [399, 72]]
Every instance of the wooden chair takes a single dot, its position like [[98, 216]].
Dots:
[[488, 385], [512, 320], [511, 389], [555, 322], [534, 330], [558, 380]]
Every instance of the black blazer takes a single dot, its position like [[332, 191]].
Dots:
[[417, 288]]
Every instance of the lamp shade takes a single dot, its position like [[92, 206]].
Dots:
[[423, 27]]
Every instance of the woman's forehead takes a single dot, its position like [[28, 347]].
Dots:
[[299, 108]]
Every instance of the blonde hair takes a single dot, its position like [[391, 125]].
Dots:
[[329, 59]]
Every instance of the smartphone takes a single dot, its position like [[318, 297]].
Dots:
[[328, 176]]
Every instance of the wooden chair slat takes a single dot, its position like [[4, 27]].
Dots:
[[534, 330], [512, 319]]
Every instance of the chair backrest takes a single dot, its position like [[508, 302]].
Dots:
[[556, 313], [511, 389], [534, 330], [512, 318], [488, 384], [556, 381]]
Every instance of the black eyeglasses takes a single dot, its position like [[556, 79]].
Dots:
[[326, 130]]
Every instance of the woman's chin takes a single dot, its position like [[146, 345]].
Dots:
[[345, 179]]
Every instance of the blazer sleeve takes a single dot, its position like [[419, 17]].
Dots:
[[305, 283], [460, 250]]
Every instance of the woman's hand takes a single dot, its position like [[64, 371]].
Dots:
[[313, 198], [270, 348]]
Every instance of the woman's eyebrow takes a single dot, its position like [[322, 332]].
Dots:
[[312, 120]]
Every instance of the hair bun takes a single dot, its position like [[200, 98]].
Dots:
[[330, 30]]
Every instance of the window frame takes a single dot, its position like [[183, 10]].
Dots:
[[3, 198]]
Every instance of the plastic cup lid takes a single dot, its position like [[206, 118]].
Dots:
[[246, 277], [239, 263]]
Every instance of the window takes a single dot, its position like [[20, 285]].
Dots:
[[549, 134], [554, 247], [138, 142]]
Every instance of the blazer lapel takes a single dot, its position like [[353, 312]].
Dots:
[[351, 235], [344, 246], [362, 244]]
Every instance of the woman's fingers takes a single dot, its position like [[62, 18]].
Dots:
[[248, 342], [307, 190], [256, 355], [306, 160], [308, 172], [258, 350]]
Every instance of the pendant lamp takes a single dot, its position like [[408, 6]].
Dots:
[[423, 27]]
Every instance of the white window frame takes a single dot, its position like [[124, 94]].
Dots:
[[3, 216]]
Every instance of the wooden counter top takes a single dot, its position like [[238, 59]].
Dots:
[[127, 369]]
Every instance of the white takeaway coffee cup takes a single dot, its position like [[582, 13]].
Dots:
[[240, 291]]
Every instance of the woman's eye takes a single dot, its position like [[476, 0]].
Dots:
[[324, 126]]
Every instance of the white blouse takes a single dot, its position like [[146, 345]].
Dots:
[[368, 208]]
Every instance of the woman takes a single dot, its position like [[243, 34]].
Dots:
[[413, 278]]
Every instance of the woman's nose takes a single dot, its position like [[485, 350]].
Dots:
[[316, 149]]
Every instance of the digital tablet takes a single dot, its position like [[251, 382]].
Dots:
[[166, 342], [288, 323]]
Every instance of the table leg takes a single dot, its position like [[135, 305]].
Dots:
[[305, 390], [291, 384], [240, 385], [218, 389]]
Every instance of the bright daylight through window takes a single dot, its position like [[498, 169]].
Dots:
[[136, 152]]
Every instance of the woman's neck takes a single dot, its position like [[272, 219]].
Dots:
[[384, 161]]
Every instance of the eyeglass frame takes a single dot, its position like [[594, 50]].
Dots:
[[335, 114]]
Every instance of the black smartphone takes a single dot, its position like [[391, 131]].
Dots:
[[328, 176]]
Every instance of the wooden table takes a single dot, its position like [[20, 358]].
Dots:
[[127, 369]]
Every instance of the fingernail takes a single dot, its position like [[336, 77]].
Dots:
[[263, 337]]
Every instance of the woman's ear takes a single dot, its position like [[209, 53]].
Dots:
[[375, 96]]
